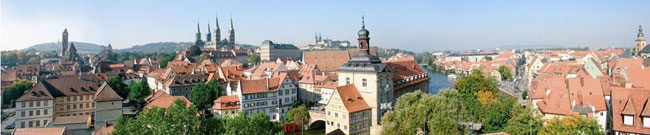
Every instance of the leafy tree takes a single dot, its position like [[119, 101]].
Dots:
[[258, 124], [177, 119], [297, 114], [474, 83], [506, 73], [14, 92], [203, 95], [139, 91], [523, 121], [572, 125], [118, 85], [254, 59], [442, 115]]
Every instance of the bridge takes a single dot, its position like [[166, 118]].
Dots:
[[316, 119]]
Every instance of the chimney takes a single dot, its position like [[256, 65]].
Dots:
[[582, 81]]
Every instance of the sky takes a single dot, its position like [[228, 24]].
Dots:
[[427, 25]]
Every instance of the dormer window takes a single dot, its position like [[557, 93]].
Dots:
[[628, 120]]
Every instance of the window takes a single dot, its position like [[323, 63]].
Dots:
[[87, 105], [347, 80], [294, 91], [38, 112], [60, 108], [31, 113], [22, 114], [280, 92], [22, 124], [365, 82], [44, 122], [93, 105], [74, 106], [45, 103], [61, 99], [38, 123], [336, 114], [67, 99], [345, 127], [45, 113], [81, 106], [23, 104], [67, 107], [646, 121], [31, 123], [31, 104], [38, 103], [287, 92], [628, 120]]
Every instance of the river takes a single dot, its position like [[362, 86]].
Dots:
[[438, 81]]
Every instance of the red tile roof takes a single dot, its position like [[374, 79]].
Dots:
[[227, 103], [351, 98], [164, 100], [630, 101]]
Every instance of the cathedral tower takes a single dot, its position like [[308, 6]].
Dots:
[[64, 42], [208, 37], [198, 41], [231, 34], [216, 36]]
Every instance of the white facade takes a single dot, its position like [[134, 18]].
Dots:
[[32, 114]]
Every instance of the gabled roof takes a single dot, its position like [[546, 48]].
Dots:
[[351, 98], [65, 85], [106, 129], [62, 120], [226, 102], [646, 108], [629, 108], [106, 93], [164, 100]]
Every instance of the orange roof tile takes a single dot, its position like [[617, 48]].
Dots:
[[352, 99]]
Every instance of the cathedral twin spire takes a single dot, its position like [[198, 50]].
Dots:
[[215, 37]]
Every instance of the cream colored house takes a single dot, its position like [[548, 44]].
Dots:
[[109, 106], [347, 111]]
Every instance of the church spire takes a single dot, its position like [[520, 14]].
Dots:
[[198, 28], [640, 32]]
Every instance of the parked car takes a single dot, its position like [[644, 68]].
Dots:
[[10, 126]]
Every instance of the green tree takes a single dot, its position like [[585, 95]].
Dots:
[[118, 85], [177, 119], [474, 83], [523, 121], [139, 91], [14, 92], [506, 73], [572, 125], [203, 95], [488, 58], [254, 59], [442, 115], [297, 114], [258, 124]]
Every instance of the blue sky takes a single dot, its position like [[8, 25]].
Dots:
[[411, 25]]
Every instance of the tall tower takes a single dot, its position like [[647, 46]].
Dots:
[[216, 37], [208, 37], [371, 77], [198, 41], [231, 34], [364, 38], [640, 42], [64, 42]]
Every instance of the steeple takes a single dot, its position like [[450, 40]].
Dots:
[[231, 33], [109, 47], [364, 39], [208, 37], [640, 32], [198, 32], [64, 42], [216, 37]]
